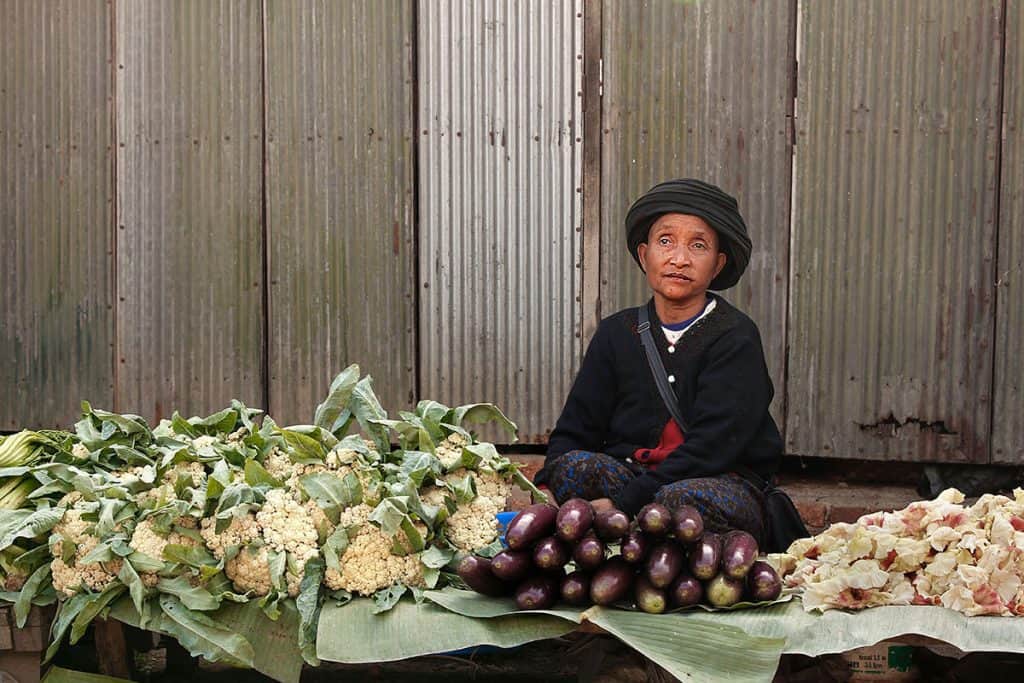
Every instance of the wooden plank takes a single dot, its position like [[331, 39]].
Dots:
[[111, 648]]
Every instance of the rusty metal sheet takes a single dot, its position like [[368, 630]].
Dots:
[[1008, 425], [894, 230], [500, 116], [56, 198], [189, 228], [340, 199], [704, 90]]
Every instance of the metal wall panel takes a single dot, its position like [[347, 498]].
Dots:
[[701, 89], [189, 178], [893, 233], [500, 181], [340, 199], [56, 198], [1008, 426]]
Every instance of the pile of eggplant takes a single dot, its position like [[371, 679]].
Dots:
[[662, 560]]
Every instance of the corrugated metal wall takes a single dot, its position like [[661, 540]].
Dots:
[[894, 230], [56, 199], [340, 200], [678, 102], [500, 210], [189, 184], [399, 184], [1008, 423]]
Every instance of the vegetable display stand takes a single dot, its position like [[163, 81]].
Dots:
[[21, 648]]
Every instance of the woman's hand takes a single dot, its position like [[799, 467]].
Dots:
[[602, 504]]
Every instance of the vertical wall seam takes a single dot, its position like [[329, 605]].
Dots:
[[997, 218], [414, 209], [114, 211], [264, 214], [794, 10]]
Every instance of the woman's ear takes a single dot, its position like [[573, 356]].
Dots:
[[722, 258], [641, 252]]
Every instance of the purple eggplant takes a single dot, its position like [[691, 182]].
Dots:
[[611, 525], [763, 582], [635, 546], [687, 524], [512, 565], [476, 572], [550, 554], [649, 598], [724, 591], [664, 563], [739, 550], [575, 588], [611, 582], [531, 524], [654, 519], [574, 520], [685, 591], [589, 553], [537, 592], [705, 556]]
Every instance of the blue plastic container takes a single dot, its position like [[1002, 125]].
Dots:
[[503, 520]]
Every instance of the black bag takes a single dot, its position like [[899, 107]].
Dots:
[[783, 522]]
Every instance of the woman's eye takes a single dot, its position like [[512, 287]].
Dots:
[[699, 245], [664, 241]]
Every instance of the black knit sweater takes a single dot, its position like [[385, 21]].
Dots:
[[723, 387]]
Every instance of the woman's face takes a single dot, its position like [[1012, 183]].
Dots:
[[681, 258]]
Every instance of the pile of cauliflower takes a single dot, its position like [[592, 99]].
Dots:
[[938, 552], [286, 522]]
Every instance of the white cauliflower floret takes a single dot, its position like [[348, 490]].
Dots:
[[71, 578], [204, 441], [368, 564], [80, 451], [324, 526], [242, 531], [194, 470], [449, 451], [156, 496], [146, 540], [287, 525], [73, 527], [249, 570], [475, 525], [279, 465]]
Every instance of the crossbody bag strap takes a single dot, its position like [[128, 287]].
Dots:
[[669, 397], [658, 368]]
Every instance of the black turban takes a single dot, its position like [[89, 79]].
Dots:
[[694, 198]]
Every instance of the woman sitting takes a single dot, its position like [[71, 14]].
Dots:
[[615, 442]]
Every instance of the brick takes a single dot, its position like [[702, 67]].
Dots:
[[530, 463], [848, 513], [814, 513]]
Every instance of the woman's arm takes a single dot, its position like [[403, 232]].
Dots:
[[731, 403]]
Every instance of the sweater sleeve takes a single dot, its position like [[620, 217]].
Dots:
[[583, 424], [731, 401]]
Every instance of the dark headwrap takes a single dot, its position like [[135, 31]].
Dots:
[[694, 198]]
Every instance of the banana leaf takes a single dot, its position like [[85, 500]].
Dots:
[[354, 635], [58, 674], [274, 643], [836, 631], [681, 643]]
